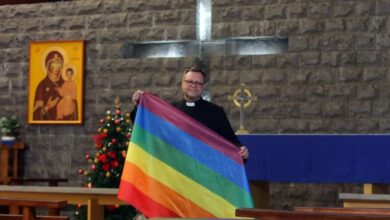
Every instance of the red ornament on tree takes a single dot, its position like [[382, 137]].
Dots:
[[104, 135], [114, 164], [111, 142], [106, 167], [102, 158], [111, 154]]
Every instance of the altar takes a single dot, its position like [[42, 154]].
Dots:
[[316, 159]]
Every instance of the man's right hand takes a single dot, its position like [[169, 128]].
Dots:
[[136, 96]]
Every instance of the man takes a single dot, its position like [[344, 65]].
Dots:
[[207, 113]]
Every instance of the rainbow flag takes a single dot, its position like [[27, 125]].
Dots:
[[177, 167]]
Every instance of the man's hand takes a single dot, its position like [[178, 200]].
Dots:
[[244, 153], [136, 96]]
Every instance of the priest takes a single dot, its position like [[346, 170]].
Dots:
[[209, 114]]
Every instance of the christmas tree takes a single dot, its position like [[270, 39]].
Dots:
[[105, 165]]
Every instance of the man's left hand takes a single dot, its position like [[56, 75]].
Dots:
[[244, 153]]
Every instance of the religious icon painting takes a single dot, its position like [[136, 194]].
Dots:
[[56, 82]]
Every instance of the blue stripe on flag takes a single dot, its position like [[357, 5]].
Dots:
[[191, 146]]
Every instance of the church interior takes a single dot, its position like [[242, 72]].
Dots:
[[306, 85]]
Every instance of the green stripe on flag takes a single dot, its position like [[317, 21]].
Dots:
[[187, 165]]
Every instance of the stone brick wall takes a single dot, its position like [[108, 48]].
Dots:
[[334, 78]]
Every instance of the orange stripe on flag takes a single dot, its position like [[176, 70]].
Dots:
[[153, 189], [132, 195]]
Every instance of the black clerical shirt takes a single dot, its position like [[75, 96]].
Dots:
[[211, 115]]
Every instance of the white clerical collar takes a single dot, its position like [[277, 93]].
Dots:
[[190, 104]]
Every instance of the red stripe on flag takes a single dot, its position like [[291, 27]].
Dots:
[[129, 193], [167, 197]]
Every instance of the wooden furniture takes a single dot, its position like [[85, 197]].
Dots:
[[5, 178], [21, 217], [355, 200], [50, 181], [375, 188], [268, 214], [28, 209], [94, 198], [5, 150], [260, 193], [371, 192], [365, 211]]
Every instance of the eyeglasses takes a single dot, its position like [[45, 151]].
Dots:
[[194, 83]]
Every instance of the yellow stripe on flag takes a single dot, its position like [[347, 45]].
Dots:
[[180, 183], [148, 185]]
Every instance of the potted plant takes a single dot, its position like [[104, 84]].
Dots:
[[9, 127]]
